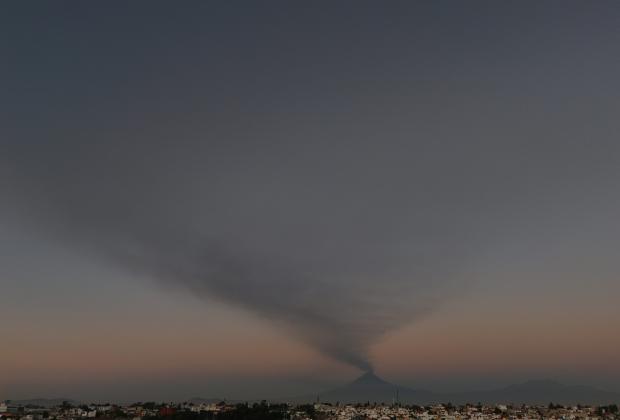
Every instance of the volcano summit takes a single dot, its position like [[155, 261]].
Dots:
[[371, 388]]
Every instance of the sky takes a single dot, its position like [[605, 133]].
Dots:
[[259, 199]]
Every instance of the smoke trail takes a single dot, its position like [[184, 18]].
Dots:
[[338, 247], [317, 263], [340, 181], [338, 317]]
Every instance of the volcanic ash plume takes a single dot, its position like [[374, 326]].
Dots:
[[337, 258]]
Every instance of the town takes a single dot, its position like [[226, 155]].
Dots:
[[319, 411]]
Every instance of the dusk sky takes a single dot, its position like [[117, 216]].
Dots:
[[262, 199]]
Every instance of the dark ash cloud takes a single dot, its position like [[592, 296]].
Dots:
[[340, 171], [326, 263]]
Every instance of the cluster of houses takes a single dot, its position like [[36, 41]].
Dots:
[[73, 411], [466, 412], [210, 410]]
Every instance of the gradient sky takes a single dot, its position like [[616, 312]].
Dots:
[[252, 200]]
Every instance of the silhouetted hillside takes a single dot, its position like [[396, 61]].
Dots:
[[371, 388]]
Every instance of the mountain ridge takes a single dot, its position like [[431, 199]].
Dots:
[[371, 388]]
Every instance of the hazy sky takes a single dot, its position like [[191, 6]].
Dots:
[[253, 199]]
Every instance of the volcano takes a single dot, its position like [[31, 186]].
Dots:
[[371, 388], [370, 379]]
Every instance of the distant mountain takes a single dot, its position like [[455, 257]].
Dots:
[[200, 400], [539, 392], [44, 402], [370, 388]]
